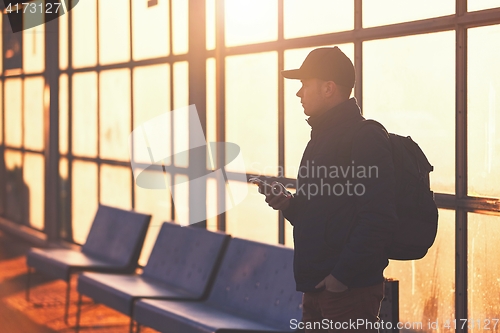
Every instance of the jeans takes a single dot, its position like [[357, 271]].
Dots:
[[352, 310]]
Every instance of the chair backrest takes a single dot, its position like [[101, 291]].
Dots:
[[186, 257], [256, 280], [117, 236]]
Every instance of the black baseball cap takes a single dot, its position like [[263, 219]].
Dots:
[[327, 63]]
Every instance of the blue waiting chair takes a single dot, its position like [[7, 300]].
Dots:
[[113, 244], [254, 291], [181, 266]]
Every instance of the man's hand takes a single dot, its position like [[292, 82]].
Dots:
[[332, 284], [276, 194], [280, 202]]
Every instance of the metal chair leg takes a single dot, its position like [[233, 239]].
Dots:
[[66, 307], [131, 311], [78, 313], [28, 276], [131, 326]]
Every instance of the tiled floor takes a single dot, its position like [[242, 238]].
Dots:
[[45, 311]]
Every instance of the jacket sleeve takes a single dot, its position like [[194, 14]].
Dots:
[[295, 207], [376, 217]]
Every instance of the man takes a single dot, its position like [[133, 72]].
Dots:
[[343, 211]]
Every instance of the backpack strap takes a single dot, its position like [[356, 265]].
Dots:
[[348, 138]]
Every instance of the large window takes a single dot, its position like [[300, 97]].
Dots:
[[24, 101], [412, 92], [484, 111], [113, 83]]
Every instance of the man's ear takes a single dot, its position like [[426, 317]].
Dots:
[[329, 88]]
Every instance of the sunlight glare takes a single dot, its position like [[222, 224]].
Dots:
[[250, 21], [473, 5], [150, 27], [382, 12], [315, 17]]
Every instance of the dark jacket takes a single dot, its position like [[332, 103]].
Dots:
[[342, 219]]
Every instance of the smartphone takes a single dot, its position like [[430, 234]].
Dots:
[[264, 187], [267, 189]]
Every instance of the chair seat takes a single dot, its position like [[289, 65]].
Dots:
[[59, 263], [193, 317], [120, 291]]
